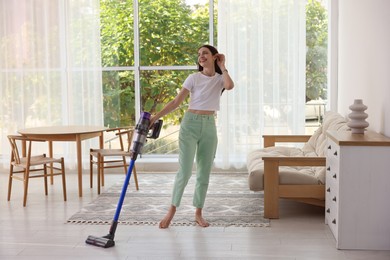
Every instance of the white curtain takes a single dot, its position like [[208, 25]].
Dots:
[[49, 68], [264, 43]]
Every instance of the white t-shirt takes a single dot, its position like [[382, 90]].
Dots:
[[205, 91]]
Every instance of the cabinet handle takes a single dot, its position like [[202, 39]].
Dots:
[[334, 198], [328, 210], [334, 221], [335, 153], [335, 176], [328, 190]]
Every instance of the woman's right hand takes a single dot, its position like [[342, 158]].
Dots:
[[152, 120]]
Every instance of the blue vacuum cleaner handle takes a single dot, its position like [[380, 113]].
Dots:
[[124, 188]]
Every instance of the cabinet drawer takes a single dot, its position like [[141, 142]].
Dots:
[[332, 187], [331, 210], [332, 153]]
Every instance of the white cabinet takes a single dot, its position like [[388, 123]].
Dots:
[[357, 207]]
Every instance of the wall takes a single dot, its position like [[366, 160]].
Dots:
[[364, 59]]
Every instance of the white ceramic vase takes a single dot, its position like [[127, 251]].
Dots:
[[358, 117]]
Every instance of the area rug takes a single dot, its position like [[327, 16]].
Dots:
[[229, 202]]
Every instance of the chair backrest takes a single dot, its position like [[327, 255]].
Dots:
[[15, 157], [16, 141], [125, 135]]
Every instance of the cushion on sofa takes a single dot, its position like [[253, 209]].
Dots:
[[317, 142], [316, 146]]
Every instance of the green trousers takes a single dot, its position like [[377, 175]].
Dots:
[[198, 136]]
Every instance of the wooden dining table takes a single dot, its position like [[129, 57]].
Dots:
[[71, 133]]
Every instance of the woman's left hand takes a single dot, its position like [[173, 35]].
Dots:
[[220, 60]]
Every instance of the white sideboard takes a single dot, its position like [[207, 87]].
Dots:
[[357, 207]]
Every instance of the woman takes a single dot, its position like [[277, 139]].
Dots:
[[198, 134]]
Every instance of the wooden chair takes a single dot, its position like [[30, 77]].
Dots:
[[113, 158], [32, 166]]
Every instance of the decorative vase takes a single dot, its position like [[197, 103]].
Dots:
[[358, 117]]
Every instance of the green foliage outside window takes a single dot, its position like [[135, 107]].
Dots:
[[317, 50]]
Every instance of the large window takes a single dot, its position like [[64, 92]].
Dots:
[[144, 49], [148, 48]]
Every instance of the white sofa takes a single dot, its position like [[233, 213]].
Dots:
[[290, 172]]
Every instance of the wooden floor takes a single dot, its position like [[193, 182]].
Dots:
[[39, 231]]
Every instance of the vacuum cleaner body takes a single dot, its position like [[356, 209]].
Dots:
[[141, 133]]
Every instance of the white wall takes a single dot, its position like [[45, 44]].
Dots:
[[364, 59]]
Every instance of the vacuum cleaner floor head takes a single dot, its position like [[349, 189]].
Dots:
[[100, 241]]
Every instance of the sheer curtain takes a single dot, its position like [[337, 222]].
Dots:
[[264, 42], [49, 68]]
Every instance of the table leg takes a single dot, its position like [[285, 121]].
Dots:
[[79, 165], [101, 141], [24, 148], [51, 164]]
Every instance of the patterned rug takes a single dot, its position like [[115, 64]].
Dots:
[[229, 202]]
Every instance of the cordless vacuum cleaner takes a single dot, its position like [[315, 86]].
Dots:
[[139, 139]]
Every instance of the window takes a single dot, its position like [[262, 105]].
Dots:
[[148, 49], [316, 62]]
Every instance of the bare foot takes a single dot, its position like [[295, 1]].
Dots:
[[199, 219], [166, 221]]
